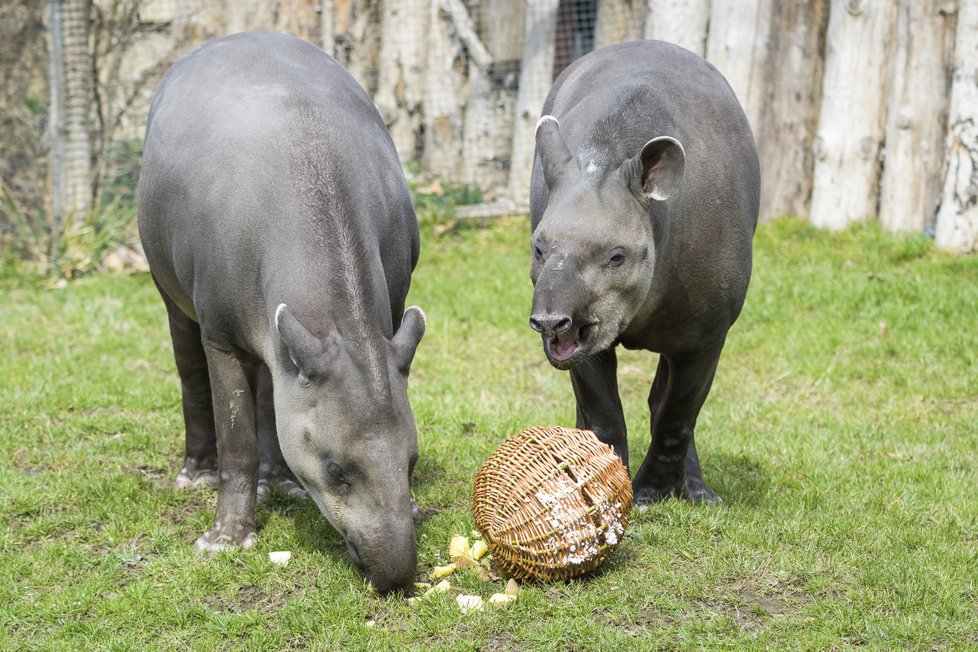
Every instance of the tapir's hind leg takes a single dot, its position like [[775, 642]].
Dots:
[[200, 457], [273, 470], [671, 467]]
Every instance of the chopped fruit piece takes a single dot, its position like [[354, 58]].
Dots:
[[443, 571], [469, 603], [458, 547], [479, 548], [512, 588], [501, 599]]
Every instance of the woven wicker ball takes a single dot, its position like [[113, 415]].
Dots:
[[552, 503]]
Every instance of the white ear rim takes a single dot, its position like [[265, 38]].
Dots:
[[424, 317], [543, 119], [278, 317]]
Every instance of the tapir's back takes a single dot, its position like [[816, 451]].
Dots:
[[260, 149]]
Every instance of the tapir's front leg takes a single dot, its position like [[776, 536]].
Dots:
[[671, 468], [598, 405], [232, 380]]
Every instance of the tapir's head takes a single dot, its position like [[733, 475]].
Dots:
[[593, 249], [346, 430]]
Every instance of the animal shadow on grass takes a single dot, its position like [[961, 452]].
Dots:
[[737, 479], [312, 530]]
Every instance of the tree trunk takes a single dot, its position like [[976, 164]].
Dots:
[[488, 130], [357, 39], [619, 21], [683, 22], [400, 83], [327, 27], [247, 15], [71, 81], [738, 46], [957, 218], [786, 124], [845, 188], [916, 119], [536, 76], [444, 96], [298, 18]]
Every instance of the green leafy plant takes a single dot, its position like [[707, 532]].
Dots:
[[35, 240]]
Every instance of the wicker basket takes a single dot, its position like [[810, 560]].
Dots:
[[552, 503]]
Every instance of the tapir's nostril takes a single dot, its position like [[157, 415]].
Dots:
[[550, 324]]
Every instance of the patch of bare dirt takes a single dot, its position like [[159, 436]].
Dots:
[[248, 597]]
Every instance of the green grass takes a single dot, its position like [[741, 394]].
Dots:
[[841, 431]]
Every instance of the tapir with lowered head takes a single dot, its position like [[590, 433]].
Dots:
[[280, 232], [643, 204]]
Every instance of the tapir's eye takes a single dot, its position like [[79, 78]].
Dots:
[[617, 258], [336, 476], [537, 253]]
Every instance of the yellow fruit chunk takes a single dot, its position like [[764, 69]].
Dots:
[[280, 557], [441, 587], [469, 603], [479, 548], [443, 571], [458, 546], [501, 599], [512, 588]]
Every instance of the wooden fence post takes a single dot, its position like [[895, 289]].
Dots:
[[619, 21], [916, 118], [845, 187], [488, 130], [401, 73], [444, 86], [737, 45], [683, 22], [957, 218], [536, 76], [785, 127]]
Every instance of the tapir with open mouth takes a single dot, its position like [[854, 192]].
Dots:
[[643, 203]]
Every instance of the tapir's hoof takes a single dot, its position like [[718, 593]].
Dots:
[[289, 487], [213, 542], [191, 479], [696, 491], [417, 515], [692, 490]]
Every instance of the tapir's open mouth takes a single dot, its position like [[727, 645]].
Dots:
[[561, 348]]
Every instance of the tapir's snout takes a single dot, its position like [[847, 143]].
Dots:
[[390, 560], [559, 313], [550, 323]]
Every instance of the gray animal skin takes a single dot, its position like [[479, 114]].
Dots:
[[643, 203], [280, 232]]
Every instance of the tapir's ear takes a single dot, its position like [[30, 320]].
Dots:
[[407, 337], [552, 150], [311, 356], [658, 170]]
